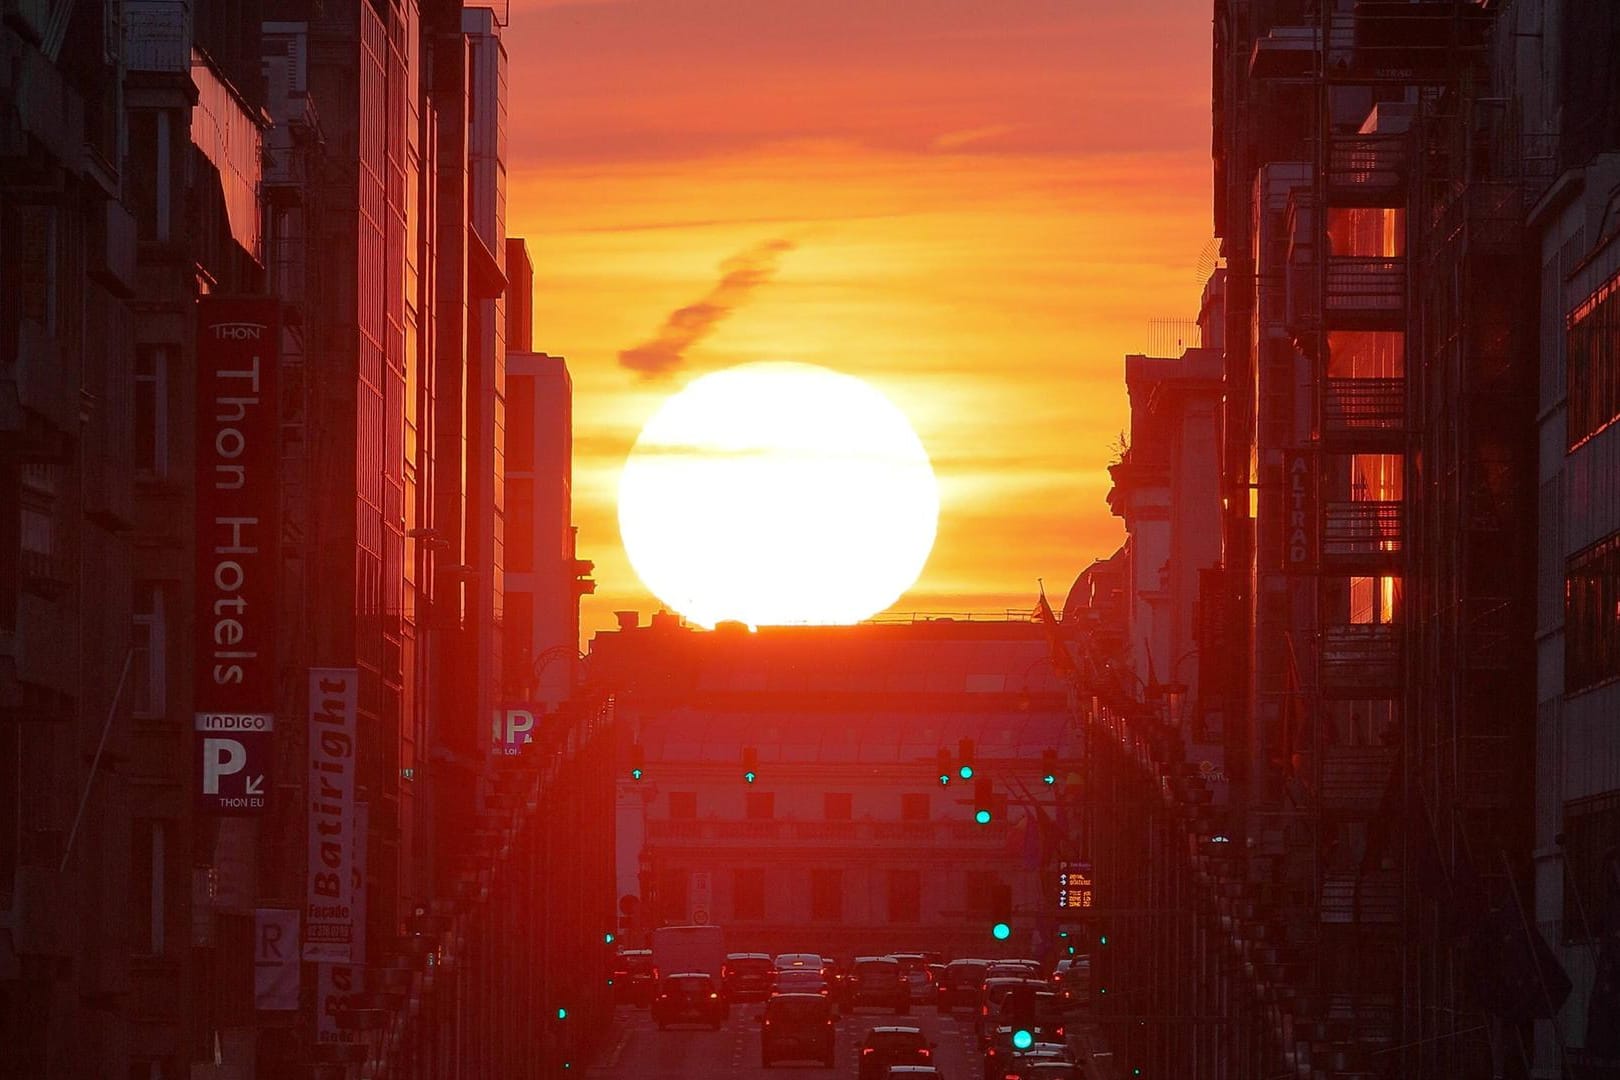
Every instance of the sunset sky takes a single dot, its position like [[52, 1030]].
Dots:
[[977, 207]]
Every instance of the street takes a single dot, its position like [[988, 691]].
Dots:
[[639, 1051]]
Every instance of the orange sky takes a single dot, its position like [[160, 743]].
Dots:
[[976, 206]]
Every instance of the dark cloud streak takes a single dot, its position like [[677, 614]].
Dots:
[[665, 352]]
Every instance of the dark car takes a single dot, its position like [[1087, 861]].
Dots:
[[633, 980], [961, 984], [885, 1046], [797, 1027], [689, 997], [878, 981], [914, 1072], [1033, 1008], [747, 976], [807, 981]]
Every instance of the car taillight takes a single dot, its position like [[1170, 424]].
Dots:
[[865, 1050], [1059, 1031], [714, 995]]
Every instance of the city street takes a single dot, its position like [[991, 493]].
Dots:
[[637, 1050]]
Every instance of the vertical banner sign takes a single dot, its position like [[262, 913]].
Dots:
[[1300, 512], [233, 650], [335, 988], [275, 958], [329, 907]]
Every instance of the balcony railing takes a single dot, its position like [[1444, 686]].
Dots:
[[1354, 777], [1361, 660], [1366, 292], [1362, 534], [1364, 409], [1366, 170], [895, 834], [1371, 898]]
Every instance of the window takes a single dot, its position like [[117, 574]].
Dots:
[[148, 670], [838, 806], [826, 894], [520, 421], [905, 896], [1591, 869], [914, 806], [682, 805], [1592, 616], [979, 892], [748, 894], [146, 892], [761, 805], [1593, 360], [152, 412]]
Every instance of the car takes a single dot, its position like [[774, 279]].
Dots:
[[1072, 977], [633, 981], [837, 977], [990, 1000], [1051, 1070], [914, 1072], [961, 984], [1011, 969], [896, 1045], [800, 981], [795, 1027], [788, 960], [877, 981], [689, 997], [1033, 1008], [914, 970], [747, 976]]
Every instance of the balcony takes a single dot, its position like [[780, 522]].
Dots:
[[1367, 170], [886, 834], [1364, 414], [1361, 660], [1362, 536], [1354, 777], [1365, 292], [1373, 898]]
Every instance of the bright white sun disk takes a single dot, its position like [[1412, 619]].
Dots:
[[776, 493]]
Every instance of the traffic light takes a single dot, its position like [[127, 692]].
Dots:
[[944, 767], [638, 762], [964, 758], [983, 797], [1048, 766], [1000, 911], [750, 763]]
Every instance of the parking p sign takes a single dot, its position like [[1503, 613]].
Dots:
[[233, 758]]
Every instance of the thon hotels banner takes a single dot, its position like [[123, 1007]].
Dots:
[[233, 650], [331, 906]]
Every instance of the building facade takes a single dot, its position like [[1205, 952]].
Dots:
[[845, 842]]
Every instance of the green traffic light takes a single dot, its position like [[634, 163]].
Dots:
[[1071, 950], [635, 774], [1102, 939], [982, 817], [965, 772], [607, 938], [1022, 1040], [1049, 779], [1001, 931], [750, 776], [562, 1013]]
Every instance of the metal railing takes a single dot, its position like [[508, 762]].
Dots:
[[1360, 658], [1362, 529], [1364, 405]]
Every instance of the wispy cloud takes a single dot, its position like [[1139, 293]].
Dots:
[[953, 140], [665, 352]]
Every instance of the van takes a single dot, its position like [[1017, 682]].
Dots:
[[797, 1027]]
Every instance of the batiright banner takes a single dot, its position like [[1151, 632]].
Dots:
[[329, 912]]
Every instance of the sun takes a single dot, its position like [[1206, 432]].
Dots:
[[777, 493]]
